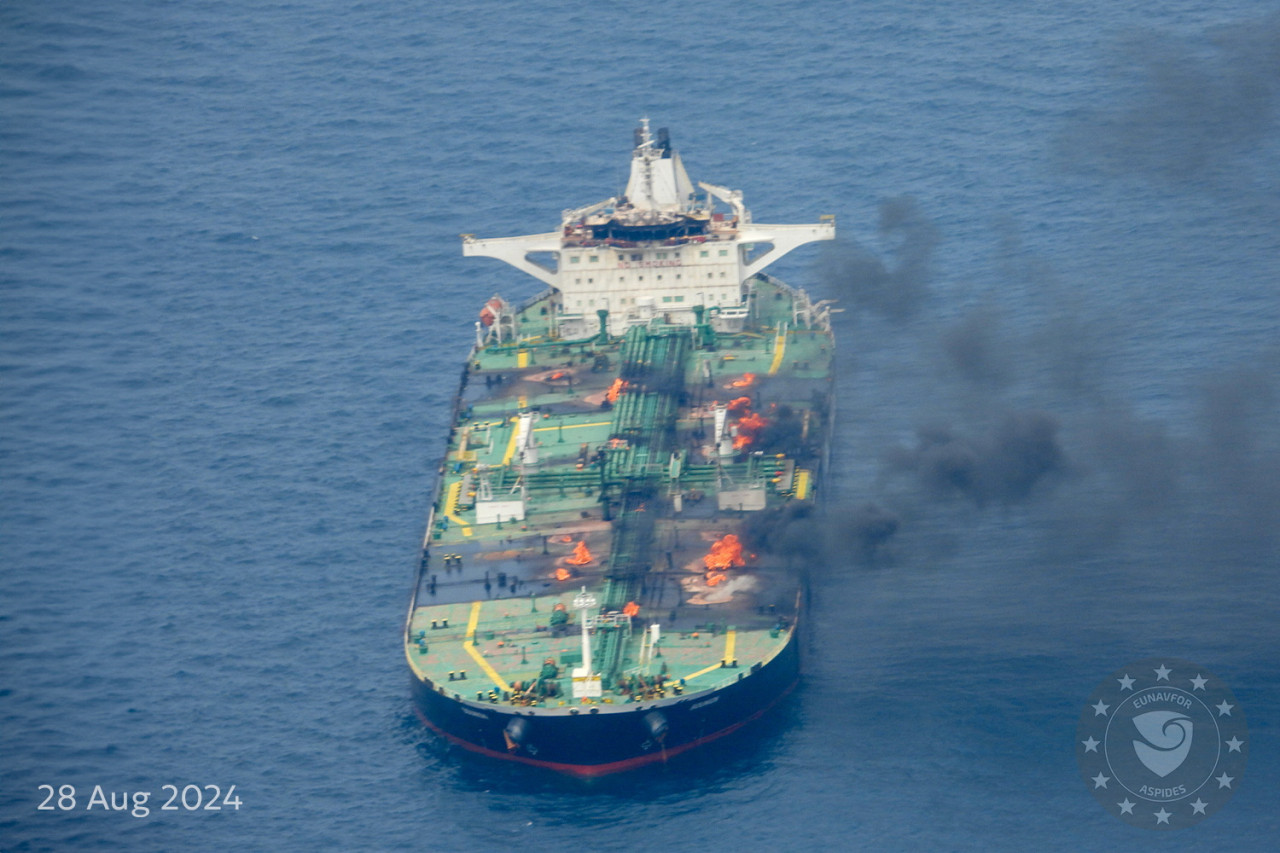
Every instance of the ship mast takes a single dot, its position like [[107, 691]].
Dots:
[[586, 684], [643, 151]]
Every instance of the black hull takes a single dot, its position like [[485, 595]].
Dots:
[[606, 739]]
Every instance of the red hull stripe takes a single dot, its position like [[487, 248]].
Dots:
[[592, 770]]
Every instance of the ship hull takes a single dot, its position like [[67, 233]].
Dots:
[[609, 738], [627, 452]]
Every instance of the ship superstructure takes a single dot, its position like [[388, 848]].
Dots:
[[660, 250], [590, 597]]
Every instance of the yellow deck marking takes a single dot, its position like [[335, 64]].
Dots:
[[511, 445], [451, 506], [802, 484], [703, 671], [779, 347], [522, 358], [572, 426], [730, 640], [470, 646]]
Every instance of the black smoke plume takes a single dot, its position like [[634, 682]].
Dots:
[[1197, 106], [1002, 465], [858, 278]]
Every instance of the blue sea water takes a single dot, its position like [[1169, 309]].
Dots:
[[234, 311]]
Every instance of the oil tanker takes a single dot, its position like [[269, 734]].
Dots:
[[590, 596]]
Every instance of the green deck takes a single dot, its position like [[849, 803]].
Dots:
[[495, 584], [510, 639]]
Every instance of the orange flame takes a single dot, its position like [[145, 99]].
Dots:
[[618, 386], [581, 556], [559, 374], [742, 404], [749, 426], [566, 539], [631, 609], [747, 380], [725, 553], [714, 578], [563, 574]]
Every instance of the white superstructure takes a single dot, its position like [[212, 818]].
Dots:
[[658, 251]]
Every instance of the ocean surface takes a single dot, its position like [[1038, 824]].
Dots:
[[234, 308]]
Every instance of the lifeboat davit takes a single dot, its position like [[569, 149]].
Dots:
[[491, 310]]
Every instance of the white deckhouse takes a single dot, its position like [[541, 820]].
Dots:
[[660, 251]]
